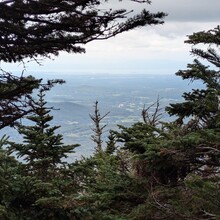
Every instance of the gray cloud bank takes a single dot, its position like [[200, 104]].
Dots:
[[188, 10]]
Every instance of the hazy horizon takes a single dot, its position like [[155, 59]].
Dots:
[[148, 50]]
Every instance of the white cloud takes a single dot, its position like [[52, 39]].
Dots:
[[155, 49]]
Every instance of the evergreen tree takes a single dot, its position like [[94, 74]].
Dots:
[[40, 184], [202, 105], [32, 28], [8, 169], [14, 96], [177, 163], [42, 149]]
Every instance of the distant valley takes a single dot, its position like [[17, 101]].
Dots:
[[123, 95]]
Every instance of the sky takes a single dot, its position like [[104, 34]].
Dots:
[[147, 50]]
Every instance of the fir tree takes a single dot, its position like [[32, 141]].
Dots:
[[15, 96], [202, 105], [42, 149]]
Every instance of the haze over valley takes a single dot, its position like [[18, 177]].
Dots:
[[124, 96]]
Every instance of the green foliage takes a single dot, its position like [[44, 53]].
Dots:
[[14, 93], [2, 212], [202, 104], [37, 186], [33, 28], [8, 169], [30, 197], [42, 149], [205, 196], [177, 163], [111, 143], [150, 170], [112, 193], [15, 96], [43, 185]]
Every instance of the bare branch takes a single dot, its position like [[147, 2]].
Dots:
[[98, 130], [154, 118]]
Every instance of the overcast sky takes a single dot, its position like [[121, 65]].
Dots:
[[149, 50]]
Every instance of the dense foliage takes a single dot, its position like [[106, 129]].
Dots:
[[151, 170]]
